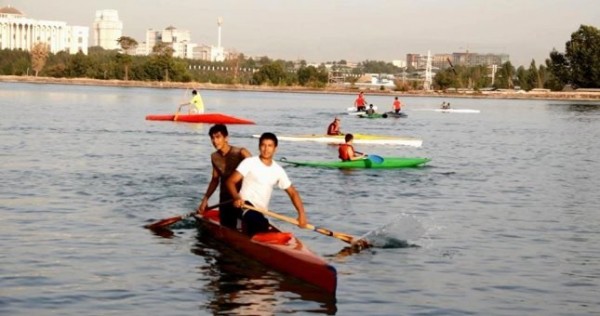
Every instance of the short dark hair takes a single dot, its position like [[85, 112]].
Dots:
[[348, 137], [266, 136], [194, 92], [218, 128]]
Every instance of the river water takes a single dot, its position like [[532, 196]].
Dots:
[[504, 218]]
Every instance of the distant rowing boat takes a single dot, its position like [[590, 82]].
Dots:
[[450, 110], [383, 115], [358, 139], [457, 110], [209, 118]]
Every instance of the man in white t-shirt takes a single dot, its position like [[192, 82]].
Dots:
[[258, 176]]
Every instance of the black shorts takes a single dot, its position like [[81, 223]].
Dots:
[[361, 108], [254, 222], [229, 215]]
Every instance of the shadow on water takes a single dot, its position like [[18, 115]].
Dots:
[[239, 285]]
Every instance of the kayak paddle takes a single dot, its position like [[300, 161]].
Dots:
[[374, 158], [352, 240], [163, 223]]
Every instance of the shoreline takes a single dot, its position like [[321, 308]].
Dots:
[[540, 95]]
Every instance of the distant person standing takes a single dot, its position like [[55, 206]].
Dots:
[[397, 105], [360, 103], [195, 105]]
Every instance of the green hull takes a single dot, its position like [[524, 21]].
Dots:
[[374, 115], [388, 163]]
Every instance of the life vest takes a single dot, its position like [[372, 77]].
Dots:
[[343, 152], [332, 129]]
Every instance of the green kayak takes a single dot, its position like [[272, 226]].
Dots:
[[388, 163], [374, 115]]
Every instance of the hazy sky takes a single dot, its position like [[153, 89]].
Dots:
[[354, 30]]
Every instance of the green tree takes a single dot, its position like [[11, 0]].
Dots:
[[77, 66], [272, 73], [128, 44], [443, 80], [504, 76], [558, 66], [311, 76], [580, 65], [522, 78], [533, 77]]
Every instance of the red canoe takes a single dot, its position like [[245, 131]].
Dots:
[[210, 118], [278, 250]]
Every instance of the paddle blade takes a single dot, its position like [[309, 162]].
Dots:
[[165, 222], [375, 158]]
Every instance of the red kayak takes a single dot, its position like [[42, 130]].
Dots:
[[281, 251], [209, 118]]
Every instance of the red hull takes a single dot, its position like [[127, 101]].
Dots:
[[209, 118], [290, 257]]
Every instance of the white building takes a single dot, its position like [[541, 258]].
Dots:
[[107, 29], [179, 40], [19, 32]]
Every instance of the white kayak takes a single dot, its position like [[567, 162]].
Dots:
[[450, 110], [457, 110], [358, 139]]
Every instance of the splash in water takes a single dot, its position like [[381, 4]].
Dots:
[[399, 233]]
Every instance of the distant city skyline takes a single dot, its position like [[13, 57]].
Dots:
[[353, 30]]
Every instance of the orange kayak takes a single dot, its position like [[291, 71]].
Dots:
[[209, 118]]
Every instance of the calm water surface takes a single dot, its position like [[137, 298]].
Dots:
[[506, 214]]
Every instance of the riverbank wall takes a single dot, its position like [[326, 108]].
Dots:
[[498, 94]]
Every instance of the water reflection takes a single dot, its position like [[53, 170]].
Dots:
[[242, 286], [578, 107]]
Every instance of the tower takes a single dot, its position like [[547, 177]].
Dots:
[[219, 22], [217, 53], [428, 78], [107, 29]]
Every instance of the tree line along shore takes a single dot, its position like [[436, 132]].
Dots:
[[543, 94]]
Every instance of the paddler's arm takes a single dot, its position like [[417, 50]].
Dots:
[[231, 184], [297, 201], [246, 153], [212, 186]]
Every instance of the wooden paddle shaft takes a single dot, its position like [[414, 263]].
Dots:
[[345, 237]]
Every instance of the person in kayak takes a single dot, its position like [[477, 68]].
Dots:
[[397, 105], [371, 110], [334, 127], [346, 151], [360, 103], [195, 105], [224, 161], [258, 175]]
